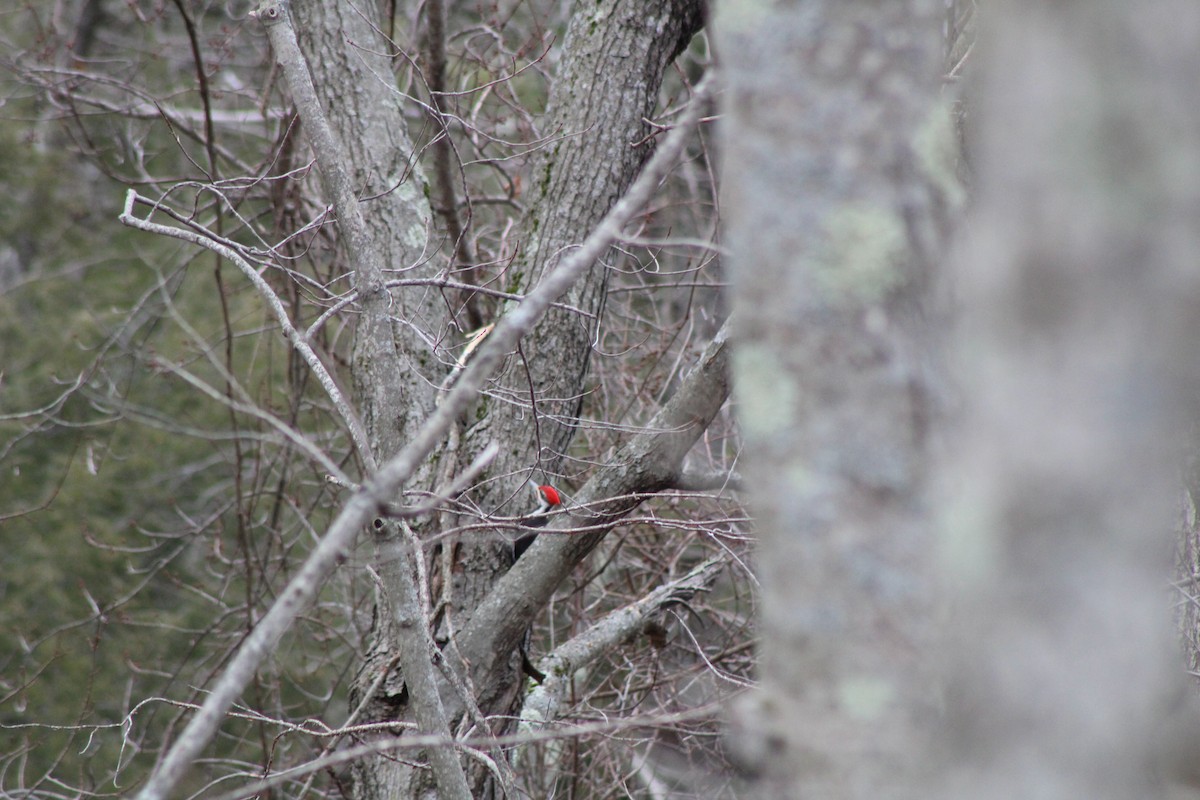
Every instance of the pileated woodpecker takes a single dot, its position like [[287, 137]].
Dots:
[[548, 499]]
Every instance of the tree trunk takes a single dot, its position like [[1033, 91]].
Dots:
[[598, 150], [1080, 292], [394, 367], [835, 202]]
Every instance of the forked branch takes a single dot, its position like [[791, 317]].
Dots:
[[381, 487]]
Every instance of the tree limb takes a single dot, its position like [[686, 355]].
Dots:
[[366, 258], [462, 254], [693, 481], [297, 339], [647, 463], [381, 487], [364, 255], [560, 666]]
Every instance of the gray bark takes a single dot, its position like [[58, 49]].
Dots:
[[835, 200], [396, 362], [1080, 292], [397, 353], [613, 60], [397, 342], [606, 89]]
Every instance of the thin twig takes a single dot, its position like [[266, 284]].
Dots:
[[357, 432], [387, 481]]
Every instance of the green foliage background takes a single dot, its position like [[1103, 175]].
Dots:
[[145, 526], [108, 462]]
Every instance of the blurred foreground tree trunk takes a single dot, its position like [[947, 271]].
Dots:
[[1058, 487], [837, 198], [1080, 312]]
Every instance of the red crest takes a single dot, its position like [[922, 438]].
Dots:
[[550, 494]]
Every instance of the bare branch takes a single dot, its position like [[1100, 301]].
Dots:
[[297, 339], [646, 463], [456, 487], [384, 484], [560, 666], [416, 742], [443, 157], [706, 481], [364, 254], [289, 433], [246, 404]]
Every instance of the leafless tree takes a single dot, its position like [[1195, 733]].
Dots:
[[406, 260], [379, 449]]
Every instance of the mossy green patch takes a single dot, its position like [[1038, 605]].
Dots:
[[768, 402], [936, 147], [862, 256], [865, 697]]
